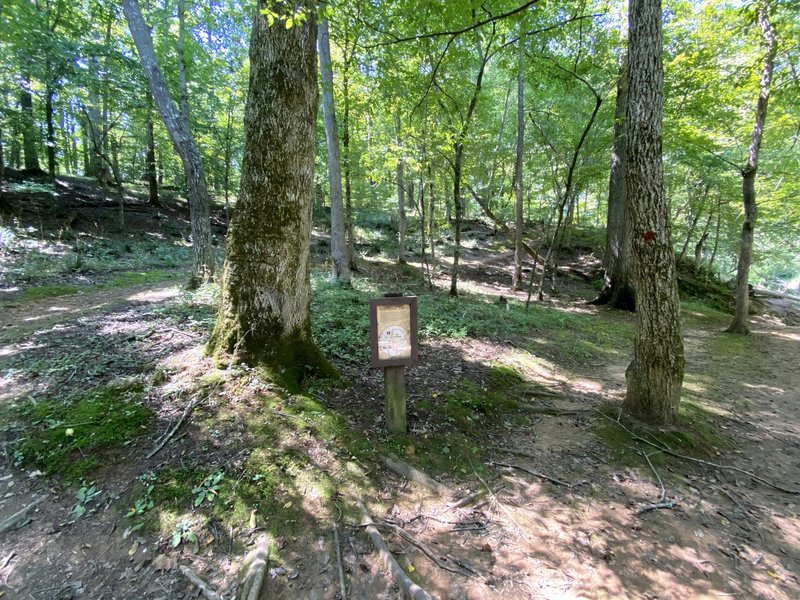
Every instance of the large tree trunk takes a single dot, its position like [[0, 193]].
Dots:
[[29, 136], [177, 125], [264, 315], [516, 280], [401, 196], [739, 324], [655, 375], [341, 262], [618, 289]]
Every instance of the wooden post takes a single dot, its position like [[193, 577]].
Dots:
[[394, 384]]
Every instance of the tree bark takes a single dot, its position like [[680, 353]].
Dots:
[[150, 157], [655, 375], [29, 141], [341, 262], [348, 191], [741, 312], [264, 314], [203, 264], [2, 158], [516, 280], [618, 289], [51, 130]]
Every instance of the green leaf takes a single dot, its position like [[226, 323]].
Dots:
[[289, 23]]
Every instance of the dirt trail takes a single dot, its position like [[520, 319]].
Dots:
[[529, 536]]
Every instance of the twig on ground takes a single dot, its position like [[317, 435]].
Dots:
[[10, 522], [535, 474], [513, 451], [339, 562], [7, 560], [410, 589], [189, 408], [707, 463], [500, 504], [550, 411], [404, 469], [204, 587], [423, 548]]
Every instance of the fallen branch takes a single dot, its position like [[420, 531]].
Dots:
[[189, 408], [11, 521], [670, 504], [204, 587], [254, 569], [466, 500], [538, 474], [339, 563], [410, 589], [701, 461], [404, 469]]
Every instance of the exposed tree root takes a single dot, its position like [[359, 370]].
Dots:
[[11, 521], [404, 469], [410, 589], [254, 569], [202, 585]]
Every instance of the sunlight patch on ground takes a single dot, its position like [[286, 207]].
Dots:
[[792, 336], [153, 297], [764, 388]]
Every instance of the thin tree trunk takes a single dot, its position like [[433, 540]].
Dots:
[[698, 249], [618, 289], [348, 192], [228, 155], [2, 157], [458, 159], [401, 201], [341, 262], [29, 136], [150, 157], [655, 375], [516, 280], [264, 313], [716, 236], [203, 264], [51, 131], [183, 94], [106, 130], [432, 218], [741, 312]]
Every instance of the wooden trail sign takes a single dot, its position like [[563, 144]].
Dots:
[[394, 341]]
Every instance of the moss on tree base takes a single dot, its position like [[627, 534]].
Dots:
[[287, 361]]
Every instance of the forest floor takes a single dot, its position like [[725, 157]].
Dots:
[[141, 457]]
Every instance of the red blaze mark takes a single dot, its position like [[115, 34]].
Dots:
[[649, 236]]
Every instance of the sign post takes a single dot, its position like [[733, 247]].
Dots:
[[394, 341]]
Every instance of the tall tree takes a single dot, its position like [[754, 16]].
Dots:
[[177, 124], [617, 286], [29, 136], [739, 324], [339, 253], [655, 375], [264, 314], [516, 282]]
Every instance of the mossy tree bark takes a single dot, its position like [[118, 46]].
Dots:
[[655, 375], [739, 324], [263, 319]]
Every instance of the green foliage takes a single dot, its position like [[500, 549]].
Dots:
[[85, 494], [208, 488], [74, 436]]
